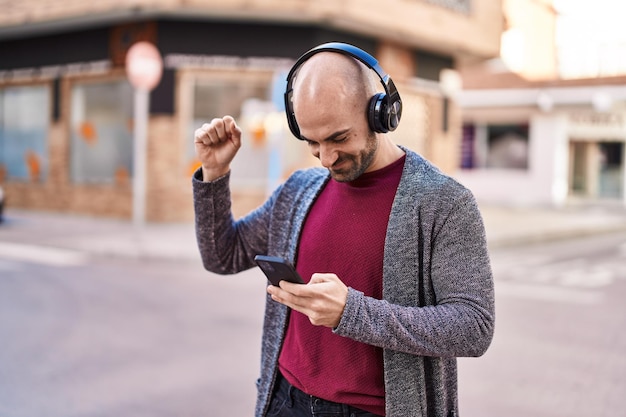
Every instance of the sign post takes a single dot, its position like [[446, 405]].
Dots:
[[144, 68]]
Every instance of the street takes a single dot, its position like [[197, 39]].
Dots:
[[108, 336], [559, 345]]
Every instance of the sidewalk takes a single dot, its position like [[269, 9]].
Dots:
[[22, 229], [99, 236], [508, 226]]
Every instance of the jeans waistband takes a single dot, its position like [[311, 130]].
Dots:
[[316, 404]]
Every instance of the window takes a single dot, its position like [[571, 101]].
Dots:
[[101, 132], [494, 146], [24, 121], [611, 169], [247, 99]]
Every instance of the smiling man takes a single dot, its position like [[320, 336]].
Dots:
[[393, 253]]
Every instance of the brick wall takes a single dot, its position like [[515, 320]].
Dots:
[[169, 196]]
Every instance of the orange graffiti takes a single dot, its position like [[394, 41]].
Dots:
[[193, 166], [88, 132], [34, 165], [258, 135], [122, 176]]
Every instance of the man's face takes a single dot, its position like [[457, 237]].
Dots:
[[344, 162], [345, 153], [341, 139]]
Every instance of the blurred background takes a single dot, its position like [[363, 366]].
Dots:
[[523, 101], [526, 93]]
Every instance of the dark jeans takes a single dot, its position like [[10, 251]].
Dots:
[[289, 401]]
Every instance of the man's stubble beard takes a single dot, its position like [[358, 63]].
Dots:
[[359, 163]]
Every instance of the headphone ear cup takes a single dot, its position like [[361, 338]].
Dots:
[[393, 112], [376, 113]]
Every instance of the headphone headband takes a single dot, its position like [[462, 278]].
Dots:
[[384, 109]]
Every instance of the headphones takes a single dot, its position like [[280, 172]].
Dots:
[[384, 109]]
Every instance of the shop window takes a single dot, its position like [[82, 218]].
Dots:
[[101, 132], [611, 169], [495, 146], [248, 100], [24, 122]]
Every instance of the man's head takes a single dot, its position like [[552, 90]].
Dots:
[[331, 99]]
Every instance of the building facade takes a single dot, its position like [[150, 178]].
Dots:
[[66, 105], [543, 144], [535, 130]]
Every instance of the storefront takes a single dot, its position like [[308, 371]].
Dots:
[[549, 146], [597, 153], [66, 111]]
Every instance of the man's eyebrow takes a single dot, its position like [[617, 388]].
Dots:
[[329, 138]]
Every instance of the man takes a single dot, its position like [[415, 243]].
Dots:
[[393, 251]]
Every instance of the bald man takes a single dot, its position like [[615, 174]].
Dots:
[[393, 253]]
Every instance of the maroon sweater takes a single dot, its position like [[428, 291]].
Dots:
[[343, 234]]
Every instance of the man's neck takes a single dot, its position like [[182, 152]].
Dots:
[[387, 153]]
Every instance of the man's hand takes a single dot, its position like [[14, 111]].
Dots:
[[322, 300], [216, 145]]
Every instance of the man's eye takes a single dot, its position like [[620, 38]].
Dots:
[[340, 139]]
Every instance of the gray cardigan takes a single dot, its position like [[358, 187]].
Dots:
[[438, 299]]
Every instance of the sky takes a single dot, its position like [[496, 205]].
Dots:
[[591, 37]]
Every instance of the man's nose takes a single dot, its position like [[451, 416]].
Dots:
[[327, 156]]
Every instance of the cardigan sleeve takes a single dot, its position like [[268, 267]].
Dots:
[[457, 318], [226, 245]]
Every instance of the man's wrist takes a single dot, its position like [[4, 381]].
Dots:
[[213, 174]]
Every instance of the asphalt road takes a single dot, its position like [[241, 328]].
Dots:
[[559, 345], [117, 338], [84, 336]]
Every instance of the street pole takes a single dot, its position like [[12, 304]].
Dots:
[[140, 132], [144, 68]]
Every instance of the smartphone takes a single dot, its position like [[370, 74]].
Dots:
[[277, 269]]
